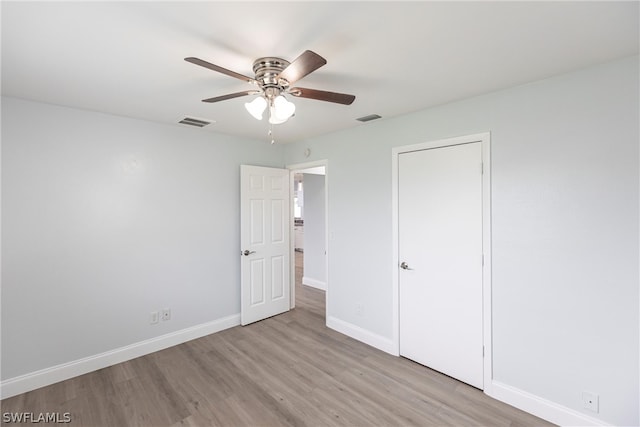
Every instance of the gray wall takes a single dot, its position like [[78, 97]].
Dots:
[[314, 231], [565, 186], [105, 219]]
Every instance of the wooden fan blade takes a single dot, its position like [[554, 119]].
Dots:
[[231, 96], [321, 95], [219, 69], [301, 66]]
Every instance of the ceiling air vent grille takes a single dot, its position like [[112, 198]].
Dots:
[[369, 118], [194, 122]]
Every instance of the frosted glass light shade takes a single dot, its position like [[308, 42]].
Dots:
[[256, 107], [281, 110]]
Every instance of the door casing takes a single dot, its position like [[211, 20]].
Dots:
[[485, 140]]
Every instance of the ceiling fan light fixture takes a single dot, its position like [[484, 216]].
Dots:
[[281, 110], [273, 77], [256, 107]]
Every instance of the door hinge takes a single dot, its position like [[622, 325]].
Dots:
[[482, 168], [482, 351], [483, 260]]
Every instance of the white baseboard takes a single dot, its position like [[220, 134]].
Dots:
[[314, 283], [542, 408], [54, 374], [356, 332]]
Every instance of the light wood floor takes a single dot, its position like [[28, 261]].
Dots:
[[286, 370]]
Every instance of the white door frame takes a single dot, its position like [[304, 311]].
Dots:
[[485, 142], [293, 168]]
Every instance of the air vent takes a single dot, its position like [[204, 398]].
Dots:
[[194, 122], [369, 118]]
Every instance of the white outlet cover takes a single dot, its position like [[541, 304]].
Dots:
[[590, 401], [153, 318], [166, 314]]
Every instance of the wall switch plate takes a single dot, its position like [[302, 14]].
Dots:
[[166, 314], [153, 318], [590, 401]]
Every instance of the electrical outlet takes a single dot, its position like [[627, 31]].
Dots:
[[590, 401], [153, 318], [166, 314], [359, 309]]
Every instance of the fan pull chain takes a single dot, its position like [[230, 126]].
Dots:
[[270, 134]]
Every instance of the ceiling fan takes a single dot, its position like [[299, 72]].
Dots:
[[273, 79]]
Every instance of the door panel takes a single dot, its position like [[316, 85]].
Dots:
[[257, 222], [277, 223], [264, 237], [277, 277], [257, 281], [440, 240]]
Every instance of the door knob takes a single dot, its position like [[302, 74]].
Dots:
[[405, 266], [247, 252]]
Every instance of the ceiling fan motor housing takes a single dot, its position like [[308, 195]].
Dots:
[[267, 70]]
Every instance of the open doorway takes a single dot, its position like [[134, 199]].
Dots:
[[309, 255]]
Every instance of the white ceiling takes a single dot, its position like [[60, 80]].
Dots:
[[126, 58]]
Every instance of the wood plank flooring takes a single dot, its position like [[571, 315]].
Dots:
[[289, 370]]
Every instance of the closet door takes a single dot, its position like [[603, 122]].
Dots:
[[440, 253]]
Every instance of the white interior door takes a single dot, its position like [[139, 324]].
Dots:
[[440, 254], [264, 242]]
